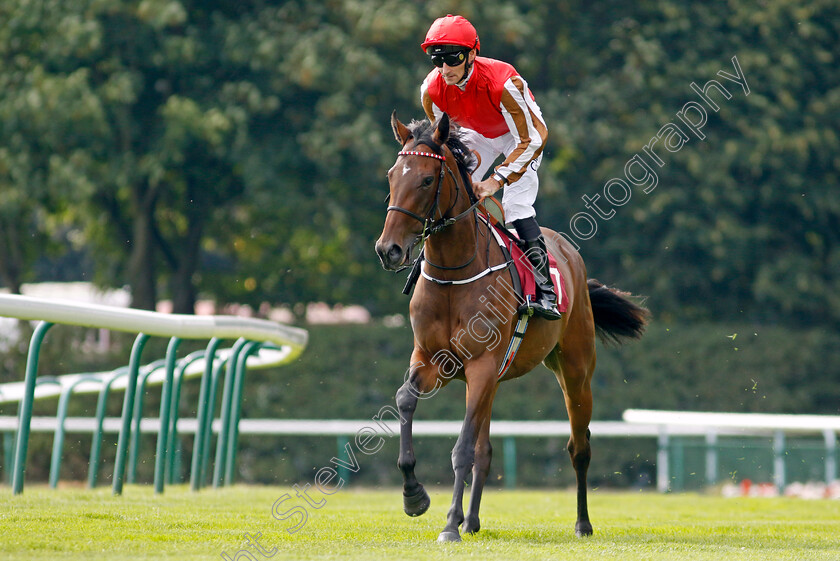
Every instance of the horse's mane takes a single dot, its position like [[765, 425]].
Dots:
[[422, 132]]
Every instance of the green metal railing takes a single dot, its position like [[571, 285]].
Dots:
[[251, 336], [25, 415], [61, 416], [224, 433], [128, 406], [206, 421], [236, 409], [137, 415], [202, 414], [96, 444], [180, 374]]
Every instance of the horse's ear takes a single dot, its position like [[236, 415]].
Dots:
[[441, 130], [401, 132]]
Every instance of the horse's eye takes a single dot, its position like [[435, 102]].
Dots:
[[428, 181]]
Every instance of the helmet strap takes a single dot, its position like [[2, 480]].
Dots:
[[467, 69]]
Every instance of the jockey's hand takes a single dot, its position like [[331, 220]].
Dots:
[[487, 187]]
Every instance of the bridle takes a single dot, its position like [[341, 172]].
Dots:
[[429, 224], [432, 226]]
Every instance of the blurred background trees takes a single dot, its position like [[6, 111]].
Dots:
[[237, 150]]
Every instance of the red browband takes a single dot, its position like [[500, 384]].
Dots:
[[417, 153]]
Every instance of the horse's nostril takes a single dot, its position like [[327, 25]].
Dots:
[[390, 255], [395, 253]]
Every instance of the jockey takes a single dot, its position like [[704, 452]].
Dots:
[[498, 116]]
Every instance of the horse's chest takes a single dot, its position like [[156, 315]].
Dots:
[[466, 334], [432, 335]]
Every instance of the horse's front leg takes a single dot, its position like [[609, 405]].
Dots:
[[422, 380], [481, 388], [481, 469]]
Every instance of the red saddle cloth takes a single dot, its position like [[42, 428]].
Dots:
[[526, 272]]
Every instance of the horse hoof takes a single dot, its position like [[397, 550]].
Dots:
[[416, 504], [583, 529], [471, 527], [449, 536]]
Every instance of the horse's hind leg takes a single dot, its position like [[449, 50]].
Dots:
[[573, 369]]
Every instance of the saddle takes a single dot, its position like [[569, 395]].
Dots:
[[512, 247]]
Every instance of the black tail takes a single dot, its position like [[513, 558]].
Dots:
[[616, 318]]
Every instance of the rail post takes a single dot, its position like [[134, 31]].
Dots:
[[25, 415], [128, 407], [196, 478], [172, 450], [236, 408], [208, 420], [711, 457], [137, 417], [224, 417], [779, 459], [165, 404], [662, 478], [510, 462], [58, 437], [341, 444], [830, 438], [99, 433], [8, 454]]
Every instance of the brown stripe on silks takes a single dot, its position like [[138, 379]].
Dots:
[[513, 177], [539, 124], [428, 106], [518, 117]]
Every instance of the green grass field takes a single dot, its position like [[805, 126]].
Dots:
[[76, 523]]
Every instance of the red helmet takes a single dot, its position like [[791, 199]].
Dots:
[[452, 30]]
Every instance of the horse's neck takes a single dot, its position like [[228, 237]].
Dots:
[[455, 246]]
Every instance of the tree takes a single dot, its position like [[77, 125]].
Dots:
[[239, 149], [115, 111], [742, 223]]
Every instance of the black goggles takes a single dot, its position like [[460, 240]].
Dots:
[[455, 58]]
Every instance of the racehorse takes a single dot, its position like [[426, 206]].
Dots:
[[462, 318]]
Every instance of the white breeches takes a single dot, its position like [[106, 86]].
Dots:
[[519, 196]]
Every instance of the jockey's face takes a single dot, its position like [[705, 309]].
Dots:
[[454, 74]]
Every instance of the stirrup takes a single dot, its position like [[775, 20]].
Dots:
[[534, 308], [551, 314]]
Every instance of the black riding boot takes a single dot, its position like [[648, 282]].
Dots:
[[546, 299]]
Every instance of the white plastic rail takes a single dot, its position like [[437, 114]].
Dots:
[[153, 323]]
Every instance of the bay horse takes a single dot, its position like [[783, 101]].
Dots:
[[462, 319]]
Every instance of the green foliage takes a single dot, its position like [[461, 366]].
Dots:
[[741, 223], [693, 367], [238, 150]]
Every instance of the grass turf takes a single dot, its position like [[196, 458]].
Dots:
[[74, 523]]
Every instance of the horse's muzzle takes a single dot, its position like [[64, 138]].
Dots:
[[391, 255]]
